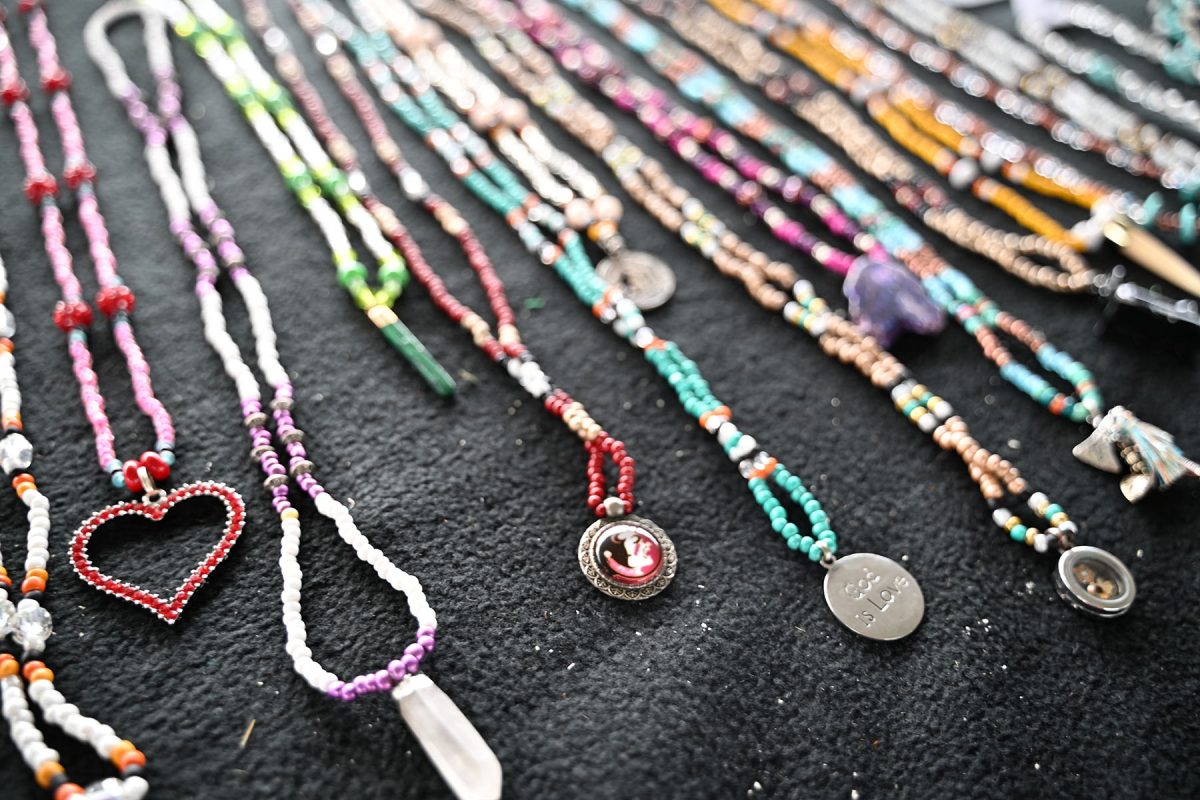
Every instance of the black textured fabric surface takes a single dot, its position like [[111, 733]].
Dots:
[[736, 682]]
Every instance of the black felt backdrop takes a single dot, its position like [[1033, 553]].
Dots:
[[736, 682]]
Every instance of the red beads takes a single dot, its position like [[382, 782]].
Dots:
[[133, 481], [14, 91], [114, 299], [25, 6], [39, 187], [72, 314], [154, 464], [77, 174], [57, 80]]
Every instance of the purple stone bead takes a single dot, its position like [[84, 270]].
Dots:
[[887, 300], [426, 630], [411, 664], [396, 670], [335, 690], [348, 692], [383, 680], [426, 642], [415, 650]]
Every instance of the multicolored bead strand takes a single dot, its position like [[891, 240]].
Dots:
[[185, 195], [462, 755], [491, 28], [1104, 71], [505, 347], [25, 680], [420, 108], [73, 314], [325, 192], [1030, 166], [735, 45], [949, 288]]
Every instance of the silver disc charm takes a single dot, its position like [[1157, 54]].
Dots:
[[627, 557], [1095, 581], [643, 278], [874, 596]]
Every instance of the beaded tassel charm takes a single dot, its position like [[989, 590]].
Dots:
[[1153, 458]]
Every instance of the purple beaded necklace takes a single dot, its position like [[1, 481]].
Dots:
[[73, 315], [453, 743]]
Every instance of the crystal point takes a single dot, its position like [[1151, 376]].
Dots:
[[887, 300], [459, 752]]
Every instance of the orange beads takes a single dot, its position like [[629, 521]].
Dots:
[[46, 772], [8, 665]]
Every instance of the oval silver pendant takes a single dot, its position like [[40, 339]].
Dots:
[[643, 278], [874, 596], [627, 557], [1095, 582]]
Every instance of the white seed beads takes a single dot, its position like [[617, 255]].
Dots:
[[184, 190], [28, 625]]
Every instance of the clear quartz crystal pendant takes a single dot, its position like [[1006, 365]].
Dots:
[[459, 752]]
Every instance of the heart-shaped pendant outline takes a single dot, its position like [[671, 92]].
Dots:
[[167, 610]]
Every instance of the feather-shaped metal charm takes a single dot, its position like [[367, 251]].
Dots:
[[1099, 450], [1150, 453]]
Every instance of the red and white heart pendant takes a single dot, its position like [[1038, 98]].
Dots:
[[168, 610]]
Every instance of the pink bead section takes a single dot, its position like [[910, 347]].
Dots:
[[73, 314]]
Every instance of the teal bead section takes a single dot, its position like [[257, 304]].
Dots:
[[542, 230]]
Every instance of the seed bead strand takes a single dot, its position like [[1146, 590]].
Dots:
[[1153, 45], [1178, 21], [73, 314], [1108, 73], [948, 287], [490, 27], [325, 192], [1017, 66], [739, 50], [767, 478], [1036, 169], [552, 173], [27, 624], [505, 347], [185, 195]]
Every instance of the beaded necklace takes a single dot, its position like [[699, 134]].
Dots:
[[1036, 23], [1028, 104], [453, 744], [1153, 458], [1160, 48], [622, 554], [73, 316], [1017, 66], [1178, 21], [25, 680], [409, 94], [873, 82], [493, 30]]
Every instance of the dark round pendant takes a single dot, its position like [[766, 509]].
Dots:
[[628, 557], [1095, 581]]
